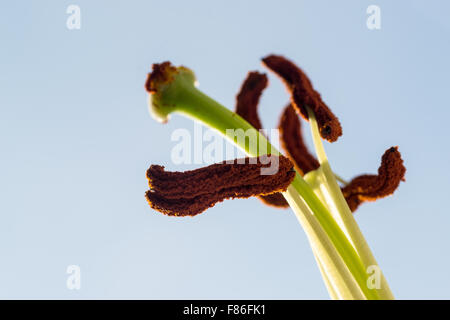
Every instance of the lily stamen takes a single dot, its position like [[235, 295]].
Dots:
[[192, 192]]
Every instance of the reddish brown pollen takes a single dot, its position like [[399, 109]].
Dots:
[[303, 95], [247, 107], [160, 74], [293, 144], [191, 192], [372, 187]]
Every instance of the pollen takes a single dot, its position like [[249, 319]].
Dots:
[[192, 192], [303, 95]]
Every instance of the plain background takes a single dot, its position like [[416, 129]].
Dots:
[[76, 140]]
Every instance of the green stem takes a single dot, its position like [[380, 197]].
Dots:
[[338, 206], [338, 278]]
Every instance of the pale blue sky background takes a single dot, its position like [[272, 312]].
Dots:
[[76, 140]]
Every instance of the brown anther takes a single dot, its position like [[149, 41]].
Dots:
[[191, 192], [248, 98], [274, 200], [372, 187], [293, 144], [303, 95], [247, 107]]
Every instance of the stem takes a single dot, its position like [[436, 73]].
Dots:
[[337, 274], [338, 206], [337, 236]]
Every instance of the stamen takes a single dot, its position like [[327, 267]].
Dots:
[[275, 200], [192, 192], [292, 142], [303, 94], [372, 187], [247, 107], [248, 98]]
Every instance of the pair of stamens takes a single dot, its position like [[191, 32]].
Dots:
[[361, 188], [290, 131], [191, 192]]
